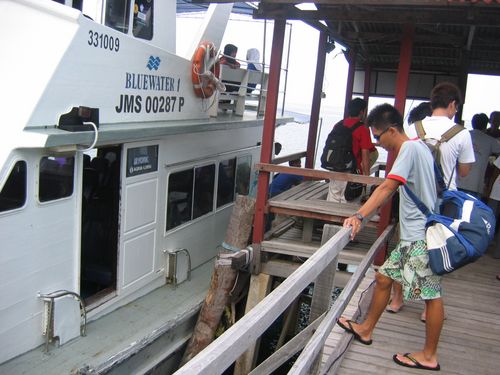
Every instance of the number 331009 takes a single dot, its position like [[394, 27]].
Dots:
[[105, 41]]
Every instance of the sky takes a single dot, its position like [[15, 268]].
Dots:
[[483, 93]]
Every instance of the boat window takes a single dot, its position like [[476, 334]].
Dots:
[[204, 183], [225, 183], [243, 170], [180, 193], [143, 19], [117, 14], [13, 194], [56, 178]]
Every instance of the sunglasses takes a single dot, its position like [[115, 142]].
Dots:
[[377, 137]]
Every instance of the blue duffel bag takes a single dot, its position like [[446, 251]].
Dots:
[[460, 234]]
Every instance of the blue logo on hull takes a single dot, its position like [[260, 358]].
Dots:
[[153, 63]]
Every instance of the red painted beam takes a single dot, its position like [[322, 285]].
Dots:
[[269, 127], [405, 56], [351, 59], [316, 102]]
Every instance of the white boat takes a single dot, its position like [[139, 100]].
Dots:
[[116, 185]]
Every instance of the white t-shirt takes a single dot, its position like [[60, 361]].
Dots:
[[458, 149], [495, 190], [484, 146]]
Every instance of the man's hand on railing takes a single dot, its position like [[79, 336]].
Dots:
[[355, 221]]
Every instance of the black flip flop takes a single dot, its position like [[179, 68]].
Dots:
[[354, 333], [415, 364]]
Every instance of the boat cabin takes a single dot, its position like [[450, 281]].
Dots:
[[115, 178]]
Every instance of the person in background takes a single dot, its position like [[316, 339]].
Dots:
[[362, 145], [253, 59], [228, 59], [253, 63], [420, 112], [230, 51], [494, 203], [484, 146], [494, 130], [282, 182], [408, 264]]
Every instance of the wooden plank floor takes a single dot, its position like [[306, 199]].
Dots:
[[470, 339], [308, 199]]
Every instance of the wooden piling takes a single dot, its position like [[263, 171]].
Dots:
[[223, 279]]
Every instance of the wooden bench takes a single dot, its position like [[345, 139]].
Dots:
[[242, 78]]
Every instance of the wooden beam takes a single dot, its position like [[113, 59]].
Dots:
[[433, 3], [289, 157], [316, 101], [319, 175], [392, 15], [269, 128], [291, 347]]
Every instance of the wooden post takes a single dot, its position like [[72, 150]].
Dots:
[[269, 126], [316, 102], [223, 277], [324, 284], [351, 59], [217, 298], [240, 223]]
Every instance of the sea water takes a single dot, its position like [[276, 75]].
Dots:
[[293, 137]]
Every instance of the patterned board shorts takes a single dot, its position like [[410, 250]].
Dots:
[[408, 264]]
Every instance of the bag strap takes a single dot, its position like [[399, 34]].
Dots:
[[440, 179], [451, 132], [419, 127], [355, 126], [421, 206]]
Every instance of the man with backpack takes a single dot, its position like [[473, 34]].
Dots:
[[408, 264], [455, 150], [347, 149], [457, 153]]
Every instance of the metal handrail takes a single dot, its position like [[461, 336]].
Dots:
[[49, 298]]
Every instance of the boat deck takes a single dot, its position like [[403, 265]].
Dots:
[[470, 339], [146, 324]]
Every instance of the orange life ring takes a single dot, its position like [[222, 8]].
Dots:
[[204, 87]]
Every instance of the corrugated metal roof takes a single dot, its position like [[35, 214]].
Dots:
[[450, 35]]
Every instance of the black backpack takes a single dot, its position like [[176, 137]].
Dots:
[[337, 154]]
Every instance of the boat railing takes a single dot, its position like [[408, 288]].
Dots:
[[285, 158], [221, 353], [242, 86]]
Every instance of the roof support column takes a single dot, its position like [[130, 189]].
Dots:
[[463, 75], [269, 127], [405, 56], [316, 101], [351, 59], [368, 78]]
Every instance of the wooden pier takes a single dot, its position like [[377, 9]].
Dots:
[[470, 339], [301, 253]]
